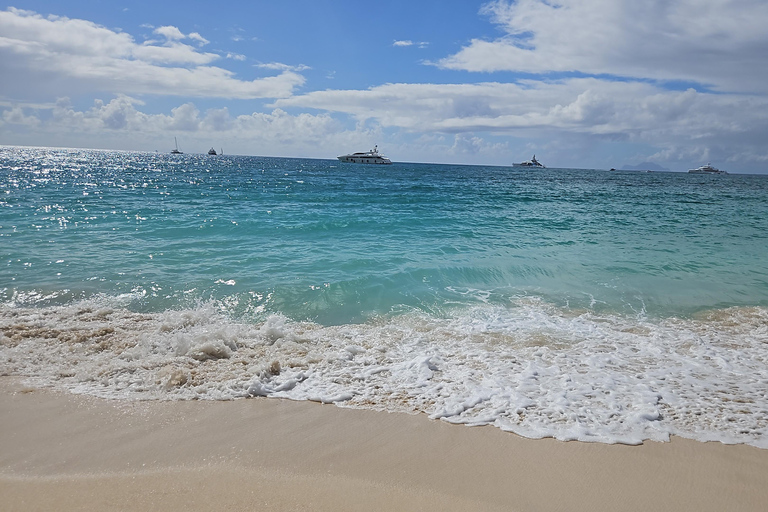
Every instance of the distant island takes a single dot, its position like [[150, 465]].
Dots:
[[644, 166]]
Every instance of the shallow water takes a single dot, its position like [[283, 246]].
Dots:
[[592, 305]]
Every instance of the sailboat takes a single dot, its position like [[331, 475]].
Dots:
[[176, 151]]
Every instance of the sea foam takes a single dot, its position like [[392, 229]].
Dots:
[[530, 368]]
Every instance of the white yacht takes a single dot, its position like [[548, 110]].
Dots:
[[706, 169], [531, 163], [369, 157]]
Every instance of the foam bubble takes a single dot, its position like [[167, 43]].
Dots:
[[530, 368]]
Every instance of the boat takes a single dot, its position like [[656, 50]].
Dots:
[[706, 169], [531, 163], [369, 157], [175, 151], [212, 152]]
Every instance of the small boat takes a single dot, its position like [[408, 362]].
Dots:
[[531, 163], [706, 169], [176, 151], [212, 152], [369, 157]]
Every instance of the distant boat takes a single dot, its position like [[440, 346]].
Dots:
[[531, 163], [175, 151], [706, 169], [212, 152], [369, 157]]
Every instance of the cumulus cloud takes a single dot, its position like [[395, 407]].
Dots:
[[118, 114], [588, 107], [121, 118], [83, 56], [170, 33], [16, 116], [217, 120], [466, 143], [722, 44]]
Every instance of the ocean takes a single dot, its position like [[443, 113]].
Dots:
[[587, 305]]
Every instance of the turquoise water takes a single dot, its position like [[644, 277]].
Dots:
[[474, 294], [321, 241]]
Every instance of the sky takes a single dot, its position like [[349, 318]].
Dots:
[[579, 83]]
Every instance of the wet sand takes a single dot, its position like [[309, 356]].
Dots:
[[66, 452]]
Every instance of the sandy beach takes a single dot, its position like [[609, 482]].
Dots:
[[66, 452]]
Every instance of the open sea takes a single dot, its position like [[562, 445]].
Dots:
[[586, 305]]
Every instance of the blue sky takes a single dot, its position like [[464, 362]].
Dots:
[[580, 83]]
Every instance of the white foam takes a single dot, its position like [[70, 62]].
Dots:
[[531, 368]]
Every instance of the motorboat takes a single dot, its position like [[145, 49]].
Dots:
[[212, 152], [706, 169], [531, 163], [369, 157]]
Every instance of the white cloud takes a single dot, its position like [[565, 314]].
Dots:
[[559, 120], [185, 118], [722, 43], [119, 114], [278, 66], [73, 56], [119, 123], [170, 33], [467, 143], [408, 42], [15, 115], [173, 34], [197, 37], [585, 107], [217, 120]]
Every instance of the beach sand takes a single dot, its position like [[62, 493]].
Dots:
[[67, 452]]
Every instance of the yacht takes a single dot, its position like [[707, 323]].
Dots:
[[212, 152], [531, 163], [706, 169], [369, 157]]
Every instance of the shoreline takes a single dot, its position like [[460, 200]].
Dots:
[[69, 452]]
